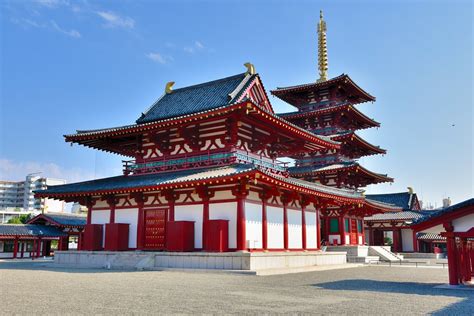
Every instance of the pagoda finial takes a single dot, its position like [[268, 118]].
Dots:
[[322, 49]]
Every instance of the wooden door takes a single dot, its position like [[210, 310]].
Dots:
[[353, 232], [155, 229]]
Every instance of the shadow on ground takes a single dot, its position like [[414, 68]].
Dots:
[[406, 288]]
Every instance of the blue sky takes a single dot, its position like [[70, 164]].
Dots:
[[68, 65]]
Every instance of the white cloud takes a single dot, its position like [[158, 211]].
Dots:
[[17, 171], [198, 45], [159, 58], [26, 23], [195, 47], [115, 20], [51, 3], [71, 33]]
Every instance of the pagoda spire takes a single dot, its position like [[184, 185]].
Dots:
[[322, 49]]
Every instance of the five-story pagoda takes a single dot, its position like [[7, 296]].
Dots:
[[327, 108]]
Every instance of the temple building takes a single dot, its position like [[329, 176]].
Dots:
[[393, 228], [327, 108], [203, 174]]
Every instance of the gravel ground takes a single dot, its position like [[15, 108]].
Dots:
[[39, 288]]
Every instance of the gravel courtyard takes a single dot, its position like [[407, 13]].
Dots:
[[39, 288]]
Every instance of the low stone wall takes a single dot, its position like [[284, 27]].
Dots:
[[355, 250], [197, 260]]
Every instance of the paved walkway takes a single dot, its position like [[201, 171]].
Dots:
[[37, 288]]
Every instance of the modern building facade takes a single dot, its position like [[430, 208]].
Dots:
[[17, 197]]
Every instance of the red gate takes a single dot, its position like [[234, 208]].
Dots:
[[155, 229]]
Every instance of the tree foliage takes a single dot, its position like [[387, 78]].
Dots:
[[22, 219]]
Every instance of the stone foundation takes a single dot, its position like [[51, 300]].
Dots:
[[250, 261]]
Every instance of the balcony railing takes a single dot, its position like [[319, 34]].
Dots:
[[200, 161]]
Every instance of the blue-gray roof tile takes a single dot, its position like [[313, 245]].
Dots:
[[197, 98]]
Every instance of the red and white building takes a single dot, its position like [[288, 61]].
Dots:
[[456, 224], [203, 175]]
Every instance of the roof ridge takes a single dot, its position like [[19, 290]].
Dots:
[[208, 82]]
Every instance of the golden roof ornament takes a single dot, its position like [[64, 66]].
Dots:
[[169, 87], [322, 49], [250, 68]]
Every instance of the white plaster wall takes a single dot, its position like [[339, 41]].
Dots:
[[407, 239], [129, 216], [360, 240], [226, 211], [275, 227], [294, 229], [191, 213], [337, 238], [464, 223], [100, 204], [348, 239], [253, 196], [223, 195], [101, 217], [253, 225], [311, 230]]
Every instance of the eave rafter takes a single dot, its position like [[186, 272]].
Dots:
[[116, 140]]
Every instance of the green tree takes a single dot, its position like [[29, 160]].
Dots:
[[22, 219]]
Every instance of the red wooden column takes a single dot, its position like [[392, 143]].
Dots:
[[205, 195], [415, 241], [304, 202], [171, 197], [264, 196], [466, 265], [285, 199], [371, 234], [342, 229], [396, 237], [112, 201], [318, 226], [452, 255], [240, 192], [15, 247], [89, 204], [38, 248], [140, 199]]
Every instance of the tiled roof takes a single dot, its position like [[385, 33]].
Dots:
[[148, 180], [67, 219], [323, 84], [30, 230], [401, 199], [429, 236], [394, 216], [197, 98], [336, 166], [451, 209], [323, 188], [335, 108], [309, 169], [63, 219]]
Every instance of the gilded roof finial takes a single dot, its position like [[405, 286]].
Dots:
[[250, 68], [169, 87], [322, 49]]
